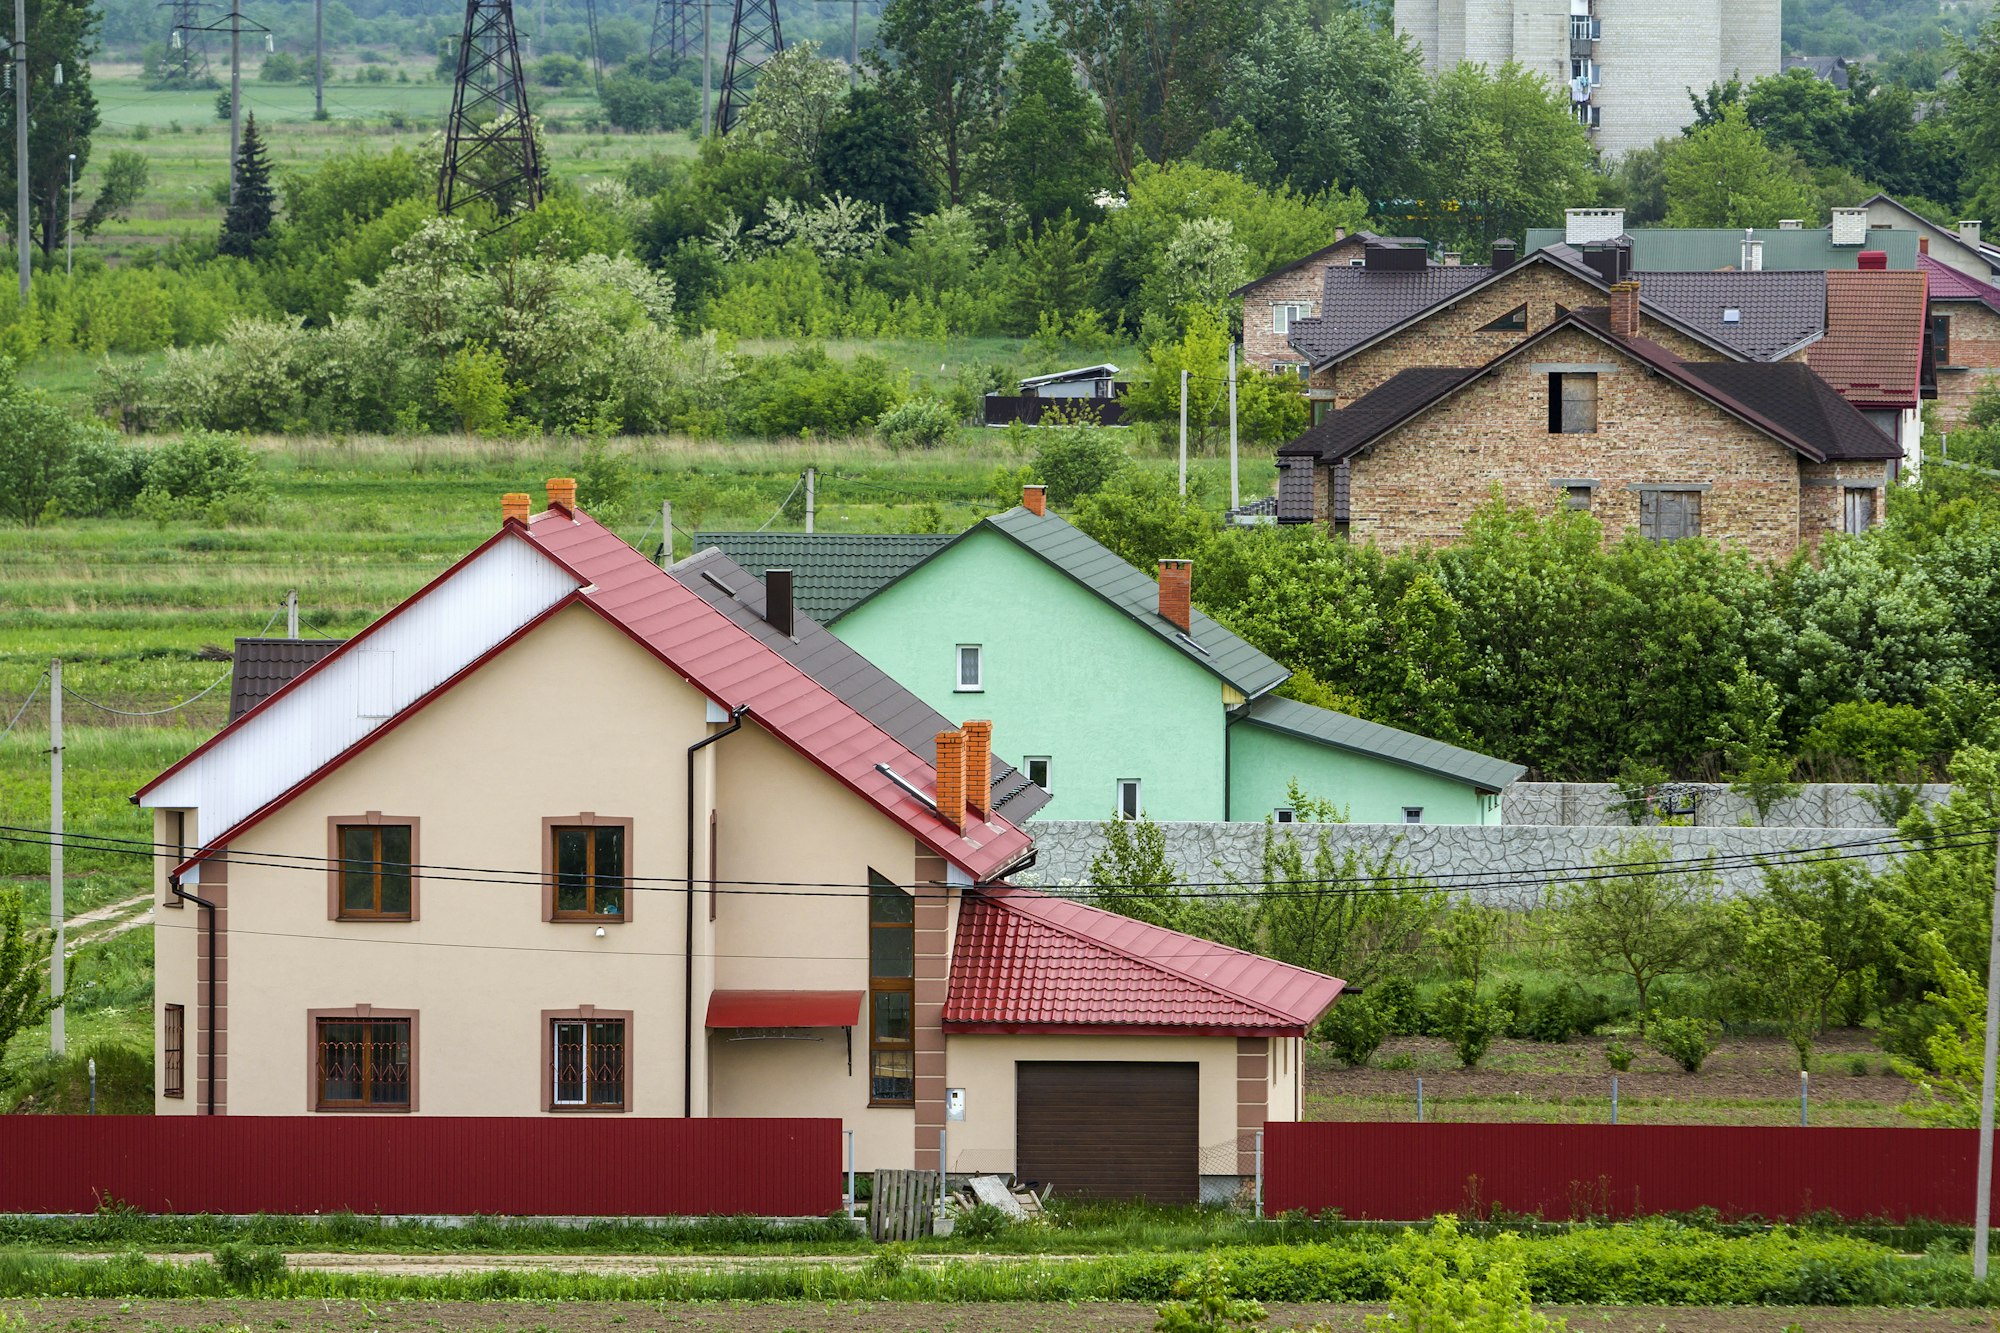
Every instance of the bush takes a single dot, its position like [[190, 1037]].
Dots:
[[105, 475], [200, 466], [806, 392], [1883, 742], [1510, 1007], [1075, 461], [246, 1267], [1618, 1055], [917, 423], [1554, 1018], [984, 1222], [1354, 1030], [1396, 1000], [1687, 1041], [1470, 1022], [61, 1086]]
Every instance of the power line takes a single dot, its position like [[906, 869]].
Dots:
[[185, 703], [782, 503], [33, 690]]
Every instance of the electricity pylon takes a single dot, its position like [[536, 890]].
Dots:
[[489, 140], [754, 37]]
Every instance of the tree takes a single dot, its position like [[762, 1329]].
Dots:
[[1504, 154], [24, 961], [1749, 733], [62, 116], [942, 59], [1787, 972], [38, 451], [1203, 264], [1133, 875], [1049, 155], [1201, 350], [1948, 1080], [126, 174], [1358, 915], [1635, 918], [248, 220], [1973, 105], [633, 102], [797, 91], [1051, 275], [868, 150], [1726, 175]]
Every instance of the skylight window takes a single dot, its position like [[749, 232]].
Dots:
[[1731, 315]]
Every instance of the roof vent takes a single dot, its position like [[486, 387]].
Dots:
[[1872, 260], [1791, 224], [1850, 226], [1731, 315], [1505, 252]]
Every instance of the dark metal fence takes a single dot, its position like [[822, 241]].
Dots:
[[1405, 1172], [549, 1166]]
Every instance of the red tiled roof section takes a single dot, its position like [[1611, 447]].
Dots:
[[732, 667], [1026, 960], [1874, 345], [1948, 284]]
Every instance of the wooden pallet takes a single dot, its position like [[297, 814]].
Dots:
[[904, 1206]]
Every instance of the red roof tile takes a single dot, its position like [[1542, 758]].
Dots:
[[1874, 346], [1948, 284], [1026, 960], [732, 667]]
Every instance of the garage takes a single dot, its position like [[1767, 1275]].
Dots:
[[1109, 1129]]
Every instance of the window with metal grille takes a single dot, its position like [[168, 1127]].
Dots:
[[587, 1059], [1857, 510], [173, 1050], [1572, 402], [1666, 516], [589, 871], [375, 872], [892, 970], [363, 1064]]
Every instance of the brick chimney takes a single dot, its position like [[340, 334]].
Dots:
[[979, 766], [1874, 261], [1035, 499], [951, 777], [562, 491], [1923, 245], [1176, 586], [515, 504], [1625, 308]]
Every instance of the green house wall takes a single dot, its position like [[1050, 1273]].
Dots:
[[1066, 675], [1262, 763]]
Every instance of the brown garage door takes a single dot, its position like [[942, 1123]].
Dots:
[[1110, 1129]]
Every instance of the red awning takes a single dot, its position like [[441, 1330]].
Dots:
[[784, 1009]]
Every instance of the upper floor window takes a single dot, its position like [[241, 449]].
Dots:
[[892, 970], [1857, 510], [1514, 321], [587, 1063], [971, 667], [374, 871], [1038, 770], [1666, 516], [1129, 806], [1572, 402], [587, 863], [1284, 312], [1941, 340], [362, 1064]]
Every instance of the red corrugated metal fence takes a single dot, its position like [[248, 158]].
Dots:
[[546, 1166], [1405, 1171]]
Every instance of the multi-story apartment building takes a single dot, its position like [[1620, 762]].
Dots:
[[1627, 66]]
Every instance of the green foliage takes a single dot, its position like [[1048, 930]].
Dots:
[[249, 1269], [1503, 138], [1882, 742], [1948, 1080], [1788, 974], [868, 150], [806, 392], [1132, 874], [1687, 1040], [1049, 154], [62, 114], [42, 453], [248, 220], [1726, 175], [1142, 516], [201, 466], [24, 961], [472, 386], [797, 90], [1355, 1029], [941, 60], [1312, 915], [984, 1222], [61, 1086], [1618, 1055], [1203, 1303], [1442, 1282], [1633, 920], [918, 423], [1076, 461]]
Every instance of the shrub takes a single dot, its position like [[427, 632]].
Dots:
[[246, 1267], [1441, 1282], [1204, 1303], [1687, 1041], [104, 477], [984, 1222], [917, 423], [1396, 1000], [1510, 1005], [806, 392], [1554, 1017], [1883, 742], [1075, 461], [1618, 1055], [200, 466], [1354, 1030], [1459, 1013]]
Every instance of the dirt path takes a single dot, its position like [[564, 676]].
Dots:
[[606, 1265], [249, 1316]]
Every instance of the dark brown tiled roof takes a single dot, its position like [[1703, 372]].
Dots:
[[1873, 351], [261, 666], [1358, 305], [1352, 238], [1375, 413], [1793, 394], [1295, 490]]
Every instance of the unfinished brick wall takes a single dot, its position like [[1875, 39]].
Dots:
[[1975, 345], [1419, 485], [1457, 334], [1263, 346], [1823, 491]]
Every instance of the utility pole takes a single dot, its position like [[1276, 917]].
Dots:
[[1982, 1207], [27, 265], [319, 59], [854, 47], [707, 62], [1184, 382], [235, 90], [666, 533], [812, 495], [1235, 492], [291, 613], [57, 1040], [69, 226], [754, 37]]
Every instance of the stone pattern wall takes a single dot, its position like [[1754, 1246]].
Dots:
[[1821, 805], [1419, 484], [1512, 862], [1975, 343]]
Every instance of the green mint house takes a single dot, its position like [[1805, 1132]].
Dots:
[[1119, 696]]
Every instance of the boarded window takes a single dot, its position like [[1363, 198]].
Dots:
[[1577, 497], [1666, 516], [1857, 510], [1572, 403]]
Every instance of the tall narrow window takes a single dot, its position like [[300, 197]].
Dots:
[[1129, 806], [892, 970], [589, 865], [971, 667], [173, 1050], [374, 872], [1941, 340], [363, 1064], [1857, 510], [1572, 402], [587, 1063]]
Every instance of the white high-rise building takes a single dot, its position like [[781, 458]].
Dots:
[[1627, 66]]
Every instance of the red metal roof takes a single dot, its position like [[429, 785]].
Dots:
[[732, 667], [784, 1008], [1948, 284], [1028, 961], [1873, 351]]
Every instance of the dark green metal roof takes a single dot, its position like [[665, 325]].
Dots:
[[1342, 732], [831, 571], [1689, 248]]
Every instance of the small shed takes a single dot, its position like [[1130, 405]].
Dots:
[[1081, 382]]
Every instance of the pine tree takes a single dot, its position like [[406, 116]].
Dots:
[[248, 220]]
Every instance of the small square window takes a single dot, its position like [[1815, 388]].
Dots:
[[1284, 814], [1577, 497], [971, 667], [1129, 806], [1413, 814], [374, 872], [1038, 770]]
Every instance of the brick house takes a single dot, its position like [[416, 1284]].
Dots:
[[1965, 338], [1272, 302], [1591, 413]]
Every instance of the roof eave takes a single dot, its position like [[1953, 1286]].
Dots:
[[1480, 783]]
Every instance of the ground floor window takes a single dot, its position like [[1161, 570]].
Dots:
[[363, 1064], [1857, 510], [1129, 806], [587, 1065], [1666, 516], [173, 1051]]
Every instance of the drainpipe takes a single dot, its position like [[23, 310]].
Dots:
[[208, 919], [687, 972]]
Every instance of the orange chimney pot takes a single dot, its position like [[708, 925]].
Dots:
[[951, 777], [979, 766], [515, 505]]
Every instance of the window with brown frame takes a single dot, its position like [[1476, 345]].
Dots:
[[589, 865], [587, 1063], [173, 1050], [364, 1064], [374, 872], [892, 970]]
